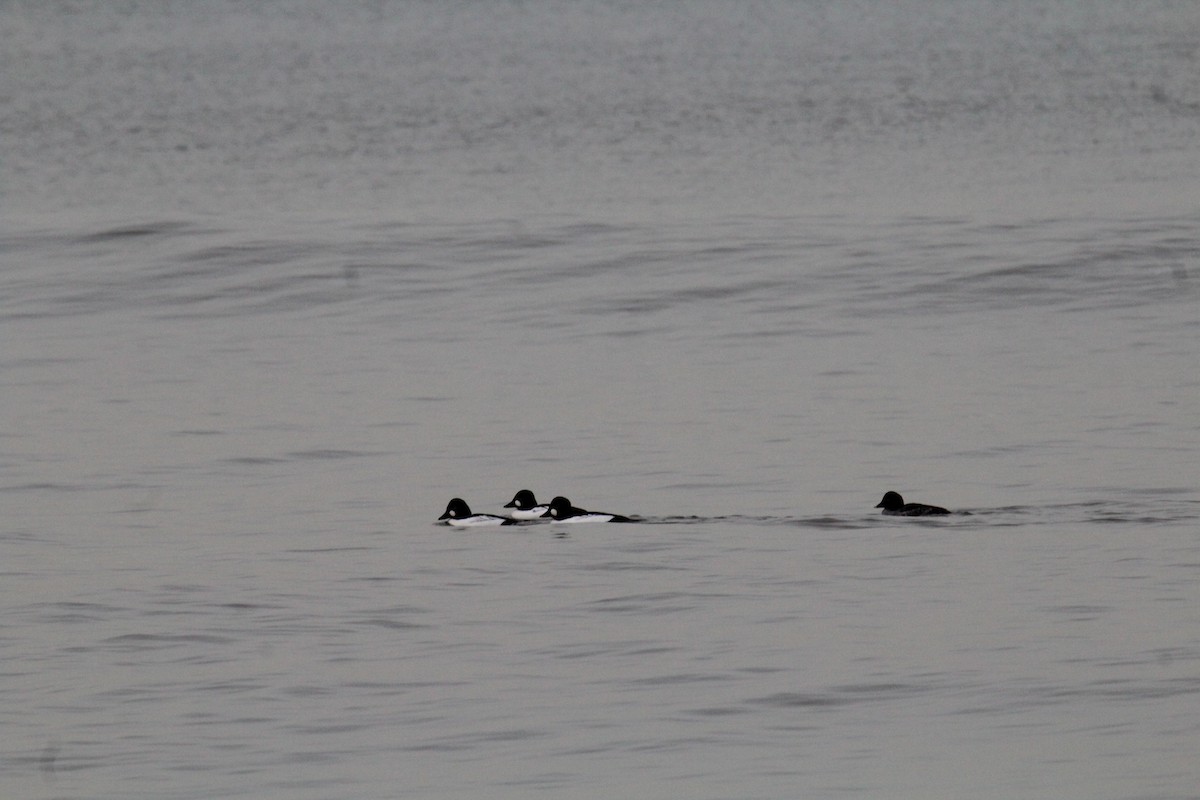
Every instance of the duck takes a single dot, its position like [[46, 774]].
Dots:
[[525, 506], [893, 505], [561, 510], [458, 514]]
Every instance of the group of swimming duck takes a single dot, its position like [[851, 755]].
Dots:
[[526, 508]]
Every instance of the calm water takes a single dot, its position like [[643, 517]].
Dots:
[[277, 282]]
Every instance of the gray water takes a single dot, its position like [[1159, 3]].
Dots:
[[279, 280]]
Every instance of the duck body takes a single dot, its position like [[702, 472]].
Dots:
[[561, 510], [893, 505], [458, 514], [525, 506]]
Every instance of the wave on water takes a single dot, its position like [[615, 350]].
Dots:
[[1181, 510], [787, 275], [1071, 264]]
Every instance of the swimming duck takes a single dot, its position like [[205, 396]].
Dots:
[[458, 514], [893, 505], [561, 510]]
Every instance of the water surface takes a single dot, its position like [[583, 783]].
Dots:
[[280, 281]]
